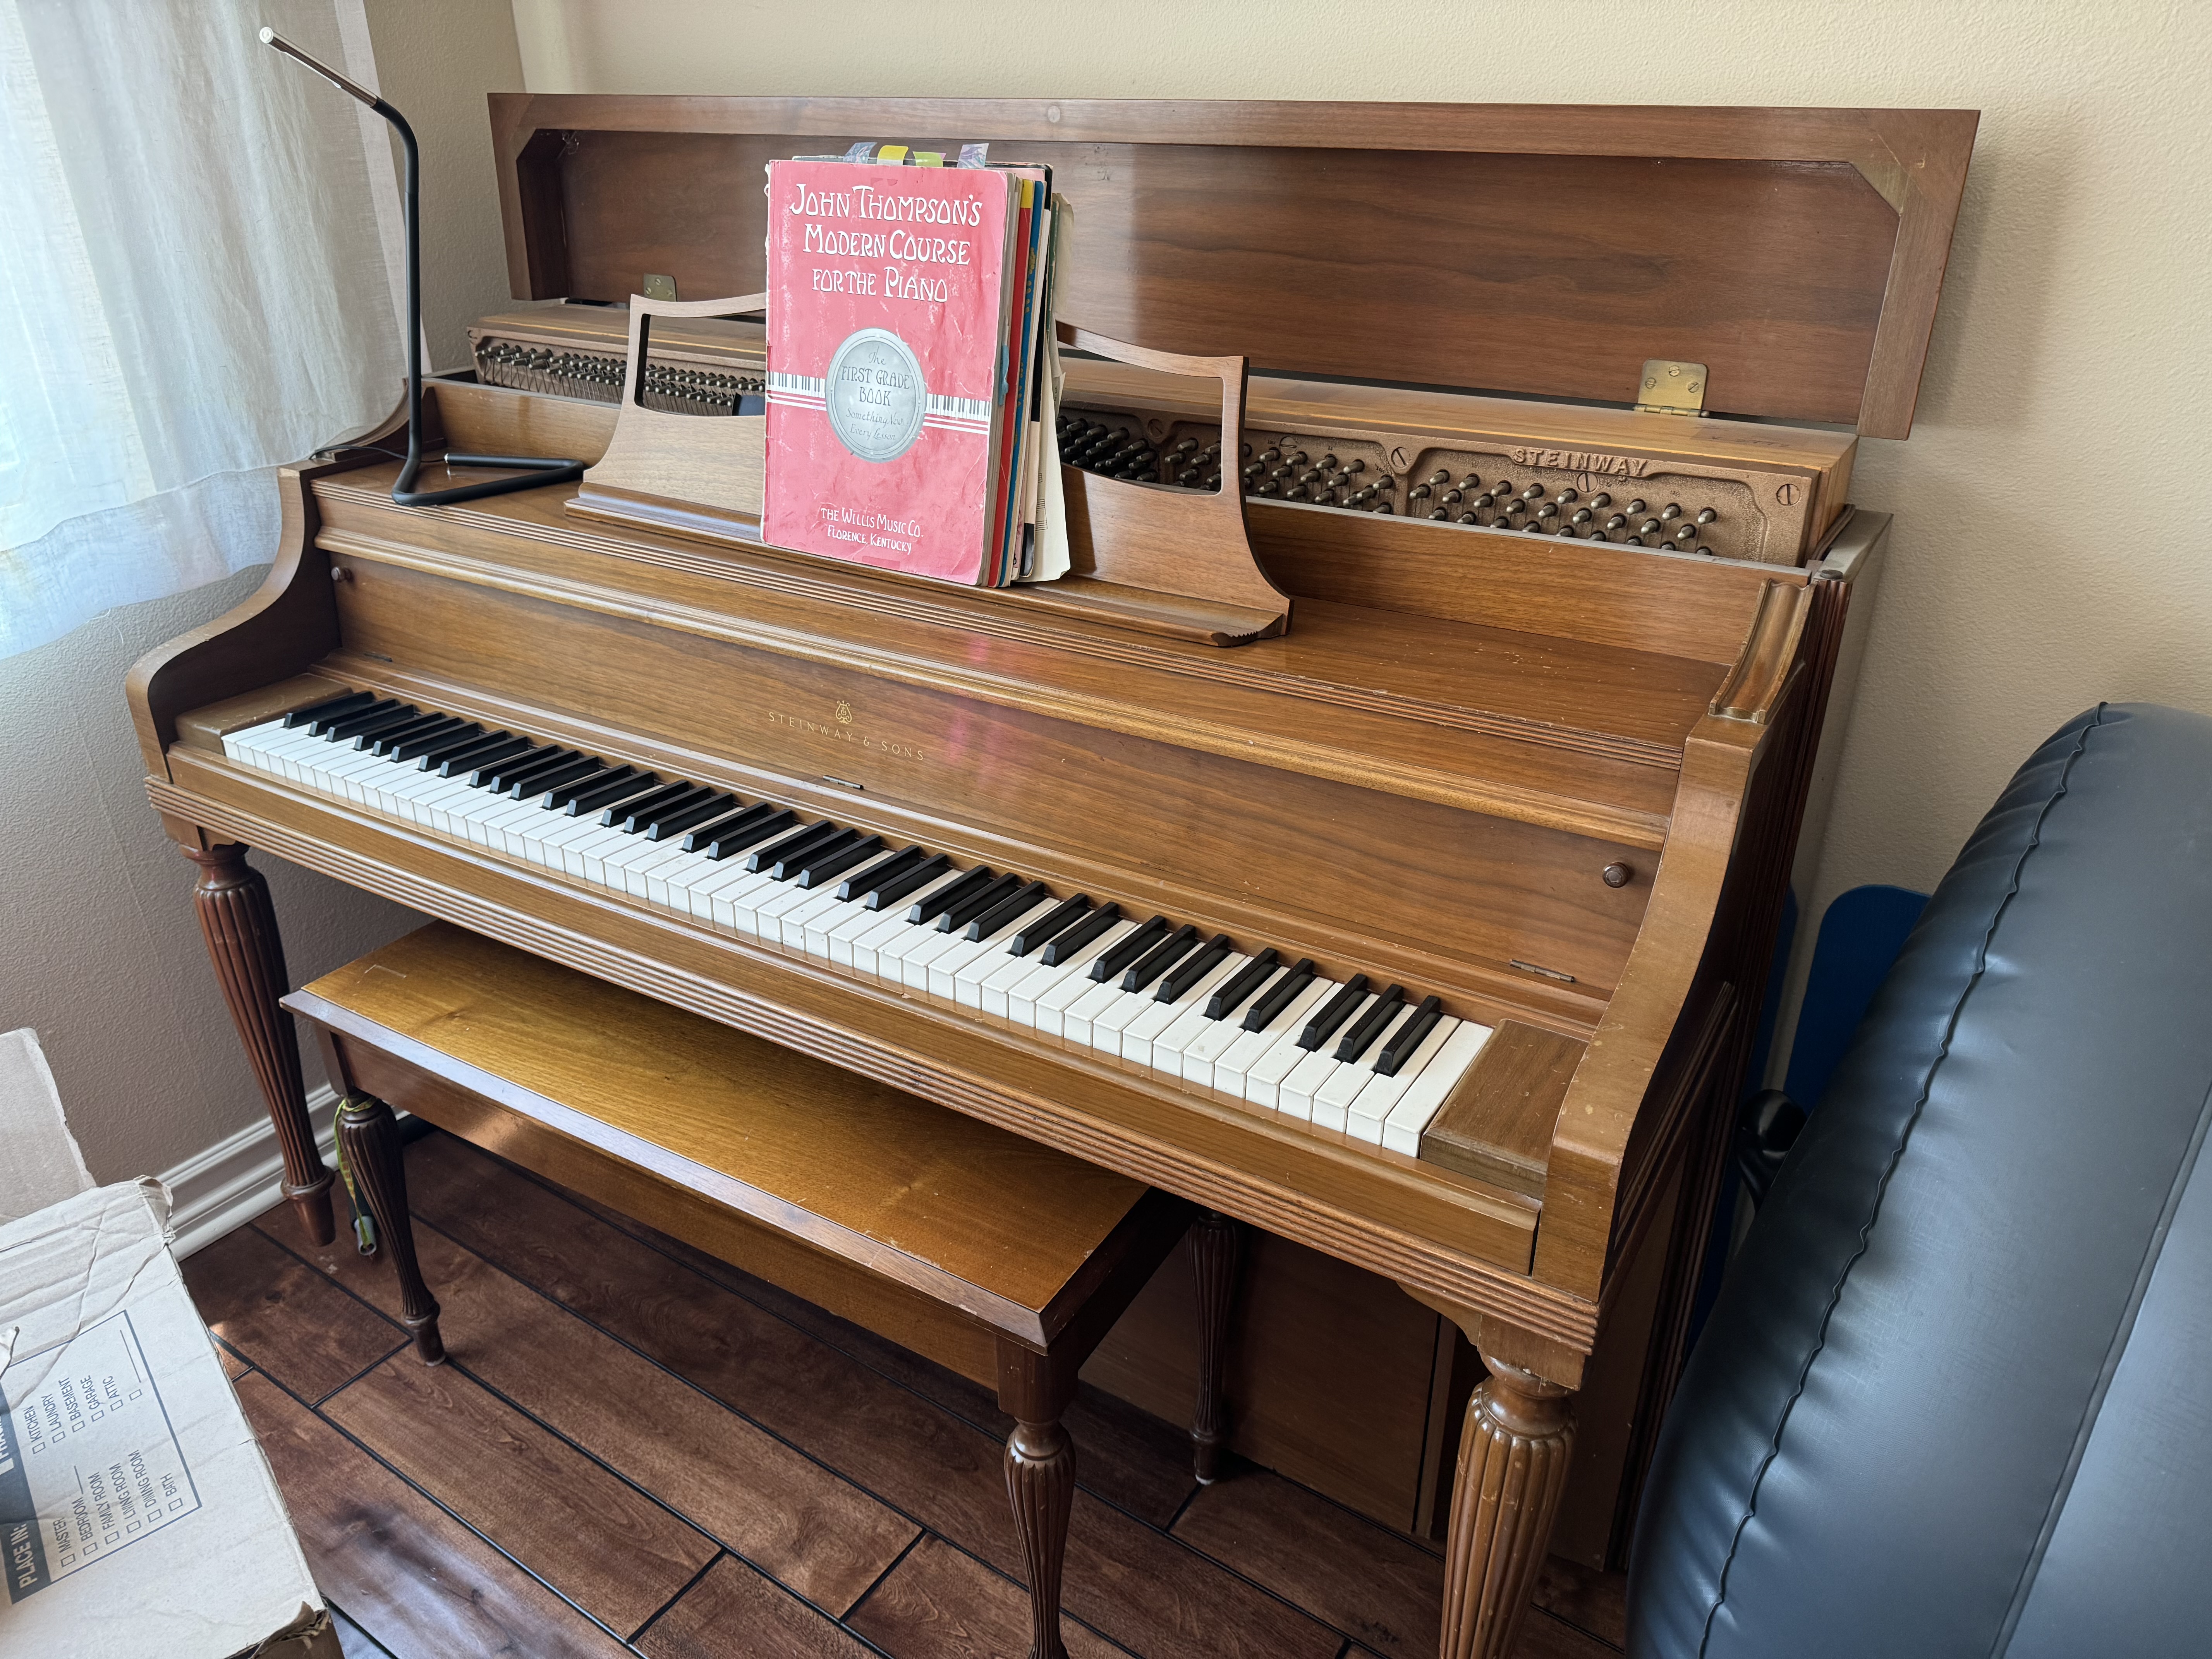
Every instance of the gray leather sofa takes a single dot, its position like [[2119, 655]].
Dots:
[[1956, 1396]]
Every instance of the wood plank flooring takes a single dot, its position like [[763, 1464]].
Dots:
[[637, 1449]]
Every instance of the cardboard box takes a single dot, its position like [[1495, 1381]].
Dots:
[[137, 1514]]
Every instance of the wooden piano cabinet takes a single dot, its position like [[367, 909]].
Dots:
[[1555, 779]]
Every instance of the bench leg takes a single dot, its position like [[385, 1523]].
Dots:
[[239, 926], [368, 1153], [1215, 1241], [1034, 1389]]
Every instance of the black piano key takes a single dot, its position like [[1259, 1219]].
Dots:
[[801, 840], [564, 798], [460, 748], [1008, 911], [695, 794], [523, 769], [1230, 995], [1193, 969], [489, 768], [329, 709], [348, 734], [339, 727], [957, 916], [674, 821], [1064, 946], [1061, 916], [787, 867], [1372, 1023], [623, 785], [931, 906], [387, 743], [1407, 1037], [1279, 995], [1132, 946], [439, 742], [1161, 957], [893, 893], [1333, 1012], [701, 836], [745, 831], [827, 866], [464, 760], [864, 881], [543, 783], [624, 811]]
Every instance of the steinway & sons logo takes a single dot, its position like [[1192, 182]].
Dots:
[[840, 726]]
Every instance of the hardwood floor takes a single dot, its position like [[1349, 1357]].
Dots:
[[636, 1449]]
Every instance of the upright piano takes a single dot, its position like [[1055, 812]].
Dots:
[[1548, 441]]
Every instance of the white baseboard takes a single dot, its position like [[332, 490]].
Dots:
[[239, 1177]]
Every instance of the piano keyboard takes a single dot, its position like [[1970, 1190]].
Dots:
[[1256, 1027]]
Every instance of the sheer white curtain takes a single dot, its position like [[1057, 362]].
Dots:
[[193, 289]]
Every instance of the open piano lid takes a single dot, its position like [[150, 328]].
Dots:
[[1539, 250]]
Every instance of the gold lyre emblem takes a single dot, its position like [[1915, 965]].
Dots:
[[844, 712]]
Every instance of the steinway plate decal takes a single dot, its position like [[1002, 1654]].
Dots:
[[837, 726]]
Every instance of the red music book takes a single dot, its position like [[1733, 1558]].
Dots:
[[892, 294]]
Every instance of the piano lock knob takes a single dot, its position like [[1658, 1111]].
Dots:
[[1617, 875]]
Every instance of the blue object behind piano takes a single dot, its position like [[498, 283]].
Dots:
[[1860, 937], [1954, 1397]]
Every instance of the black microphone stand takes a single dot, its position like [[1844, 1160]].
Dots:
[[531, 472]]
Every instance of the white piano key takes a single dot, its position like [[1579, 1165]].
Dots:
[[914, 956], [1233, 1071], [545, 842], [955, 975], [1215, 1038], [1263, 1081], [1043, 999], [1006, 972], [716, 887], [816, 924], [668, 884], [1142, 1037], [768, 913], [892, 929], [591, 853], [842, 936], [1379, 1096], [1401, 1130], [1099, 998], [1331, 1101], [257, 736], [818, 901]]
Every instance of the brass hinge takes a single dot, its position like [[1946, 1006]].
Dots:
[[658, 287], [1671, 388]]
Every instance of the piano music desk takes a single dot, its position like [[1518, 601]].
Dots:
[[994, 1256]]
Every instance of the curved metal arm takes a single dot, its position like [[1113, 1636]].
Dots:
[[527, 472]]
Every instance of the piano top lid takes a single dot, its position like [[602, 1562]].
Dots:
[[1541, 250]]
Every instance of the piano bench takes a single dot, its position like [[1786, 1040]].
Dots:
[[1001, 1259]]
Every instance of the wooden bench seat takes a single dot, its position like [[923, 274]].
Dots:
[[996, 1257]]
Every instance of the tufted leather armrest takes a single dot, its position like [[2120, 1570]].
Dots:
[[1956, 1397]]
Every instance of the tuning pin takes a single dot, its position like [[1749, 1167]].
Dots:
[[1439, 513], [1451, 496], [1419, 492], [1685, 535], [1569, 495], [1439, 477], [1295, 493], [1297, 458], [1636, 506], [1383, 508], [1469, 518], [1324, 498], [1707, 515], [1252, 469], [1270, 488], [1549, 510], [1355, 465], [1270, 456], [1583, 515], [1669, 513], [1470, 482], [1385, 482], [1486, 499], [1708, 552], [1616, 522], [1181, 444], [1649, 528], [1516, 507], [1533, 492]]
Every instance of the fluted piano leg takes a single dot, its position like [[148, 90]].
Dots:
[[240, 925], [376, 1175], [1214, 1243], [1513, 1455]]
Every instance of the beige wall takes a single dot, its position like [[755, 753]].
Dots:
[[2048, 551]]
